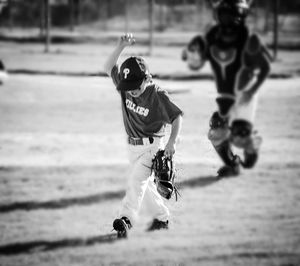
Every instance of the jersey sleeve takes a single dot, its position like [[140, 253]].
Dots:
[[169, 110], [115, 75]]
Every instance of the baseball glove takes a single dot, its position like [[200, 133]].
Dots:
[[164, 175], [195, 53]]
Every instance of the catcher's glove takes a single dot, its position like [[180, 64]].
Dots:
[[195, 53], [164, 175]]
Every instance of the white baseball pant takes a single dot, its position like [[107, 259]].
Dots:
[[141, 189], [244, 111]]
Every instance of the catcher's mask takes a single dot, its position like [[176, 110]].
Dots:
[[232, 13]]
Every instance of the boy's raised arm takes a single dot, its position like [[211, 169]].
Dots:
[[125, 40]]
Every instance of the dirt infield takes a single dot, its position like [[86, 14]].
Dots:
[[63, 166]]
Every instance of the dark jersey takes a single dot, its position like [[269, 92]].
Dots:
[[148, 114]]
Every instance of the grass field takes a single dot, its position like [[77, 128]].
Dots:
[[63, 166]]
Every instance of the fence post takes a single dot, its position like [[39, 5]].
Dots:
[[10, 17], [151, 25], [42, 18], [126, 16], [275, 30], [48, 25], [71, 6]]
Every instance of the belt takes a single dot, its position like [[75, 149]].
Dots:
[[140, 141]]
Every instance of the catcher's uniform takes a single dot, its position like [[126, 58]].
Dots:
[[145, 118], [240, 66], [236, 67]]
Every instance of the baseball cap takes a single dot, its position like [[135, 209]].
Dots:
[[132, 73]]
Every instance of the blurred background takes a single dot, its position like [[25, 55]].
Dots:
[[63, 158], [93, 17], [121, 15]]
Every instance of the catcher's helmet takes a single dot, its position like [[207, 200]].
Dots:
[[232, 13]]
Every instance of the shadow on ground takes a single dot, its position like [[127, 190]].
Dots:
[[34, 246], [96, 198], [199, 182], [44, 246], [61, 203]]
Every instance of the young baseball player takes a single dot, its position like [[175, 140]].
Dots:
[[240, 63], [146, 110]]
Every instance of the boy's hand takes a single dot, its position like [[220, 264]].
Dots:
[[126, 40], [170, 149]]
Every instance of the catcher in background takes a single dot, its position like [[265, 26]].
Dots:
[[146, 109], [240, 63]]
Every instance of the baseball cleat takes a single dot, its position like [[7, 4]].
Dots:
[[230, 170], [158, 225], [122, 227], [251, 155], [250, 159], [226, 171]]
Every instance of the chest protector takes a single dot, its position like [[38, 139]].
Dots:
[[233, 63], [226, 58]]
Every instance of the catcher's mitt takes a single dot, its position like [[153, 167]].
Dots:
[[164, 175], [195, 53]]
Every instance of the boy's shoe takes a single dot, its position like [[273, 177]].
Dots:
[[230, 170], [250, 159], [122, 227], [158, 225]]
